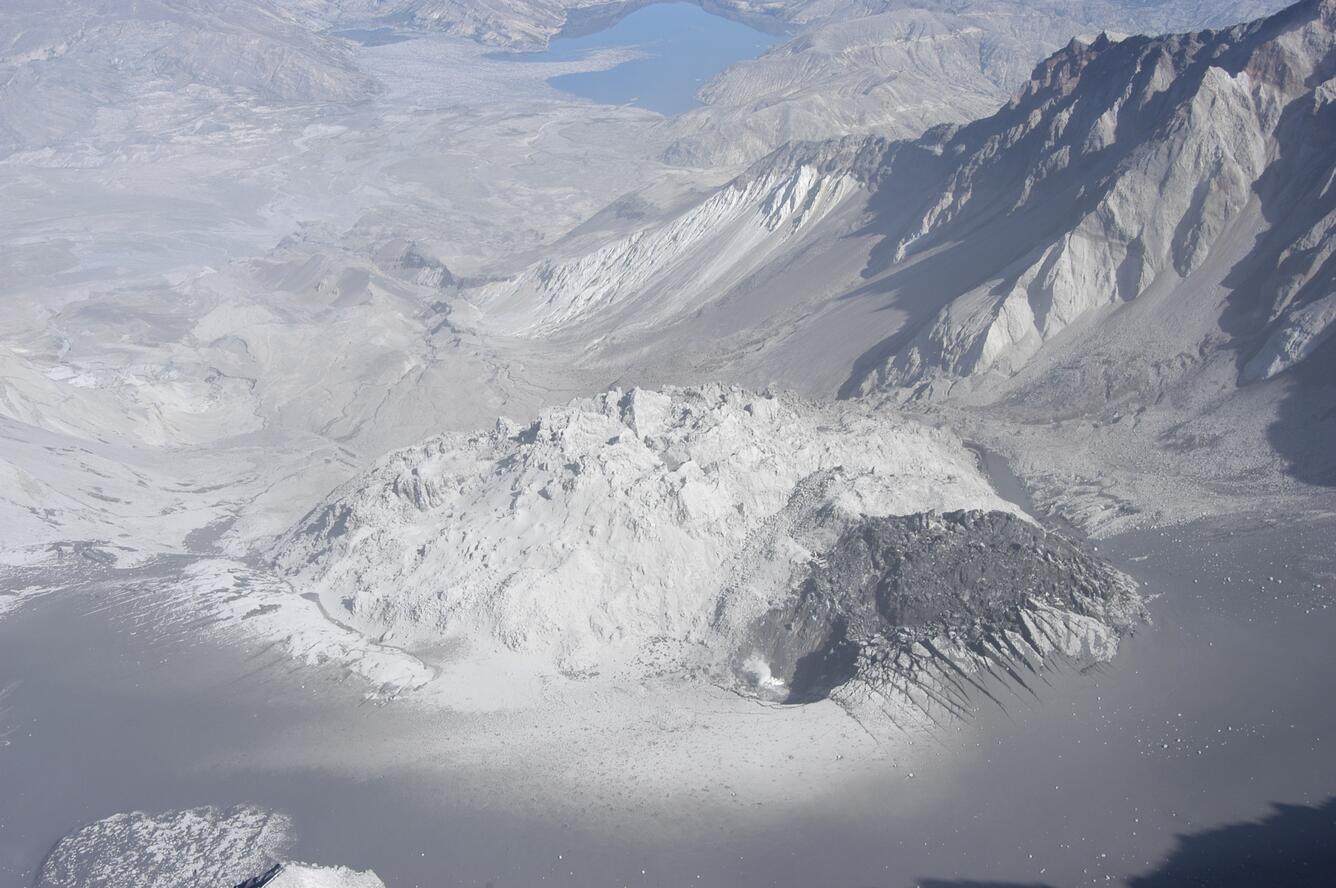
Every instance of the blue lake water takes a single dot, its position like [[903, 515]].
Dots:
[[684, 46]]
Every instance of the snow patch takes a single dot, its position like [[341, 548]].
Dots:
[[188, 849]]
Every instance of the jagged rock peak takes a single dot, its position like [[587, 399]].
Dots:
[[1119, 168], [858, 156]]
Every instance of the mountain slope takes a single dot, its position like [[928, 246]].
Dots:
[[884, 67], [1132, 166], [1144, 231], [1148, 229], [667, 270]]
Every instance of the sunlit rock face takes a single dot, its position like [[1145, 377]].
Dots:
[[665, 271], [1135, 167], [1144, 168]]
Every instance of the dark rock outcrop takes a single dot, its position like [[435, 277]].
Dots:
[[924, 601]]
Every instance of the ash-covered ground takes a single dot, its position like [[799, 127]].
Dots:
[[1111, 763], [636, 511]]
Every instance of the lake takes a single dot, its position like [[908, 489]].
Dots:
[[682, 45]]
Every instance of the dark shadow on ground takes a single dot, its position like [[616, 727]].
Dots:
[[937, 883], [1293, 847]]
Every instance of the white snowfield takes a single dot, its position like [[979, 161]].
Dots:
[[194, 848], [613, 521], [301, 875]]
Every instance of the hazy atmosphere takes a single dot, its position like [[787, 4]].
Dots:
[[736, 443]]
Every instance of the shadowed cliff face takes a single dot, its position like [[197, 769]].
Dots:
[[919, 604]]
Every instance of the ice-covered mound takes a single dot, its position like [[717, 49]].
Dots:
[[214, 847], [200, 846], [617, 520]]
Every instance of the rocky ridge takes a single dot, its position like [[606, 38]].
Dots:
[[685, 531], [668, 269], [1132, 165]]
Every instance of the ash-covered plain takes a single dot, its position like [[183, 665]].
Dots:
[[421, 439]]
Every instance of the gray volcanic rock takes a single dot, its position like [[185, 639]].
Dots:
[[794, 551], [919, 602], [614, 522]]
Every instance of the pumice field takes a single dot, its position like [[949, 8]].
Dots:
[[613, 443]]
